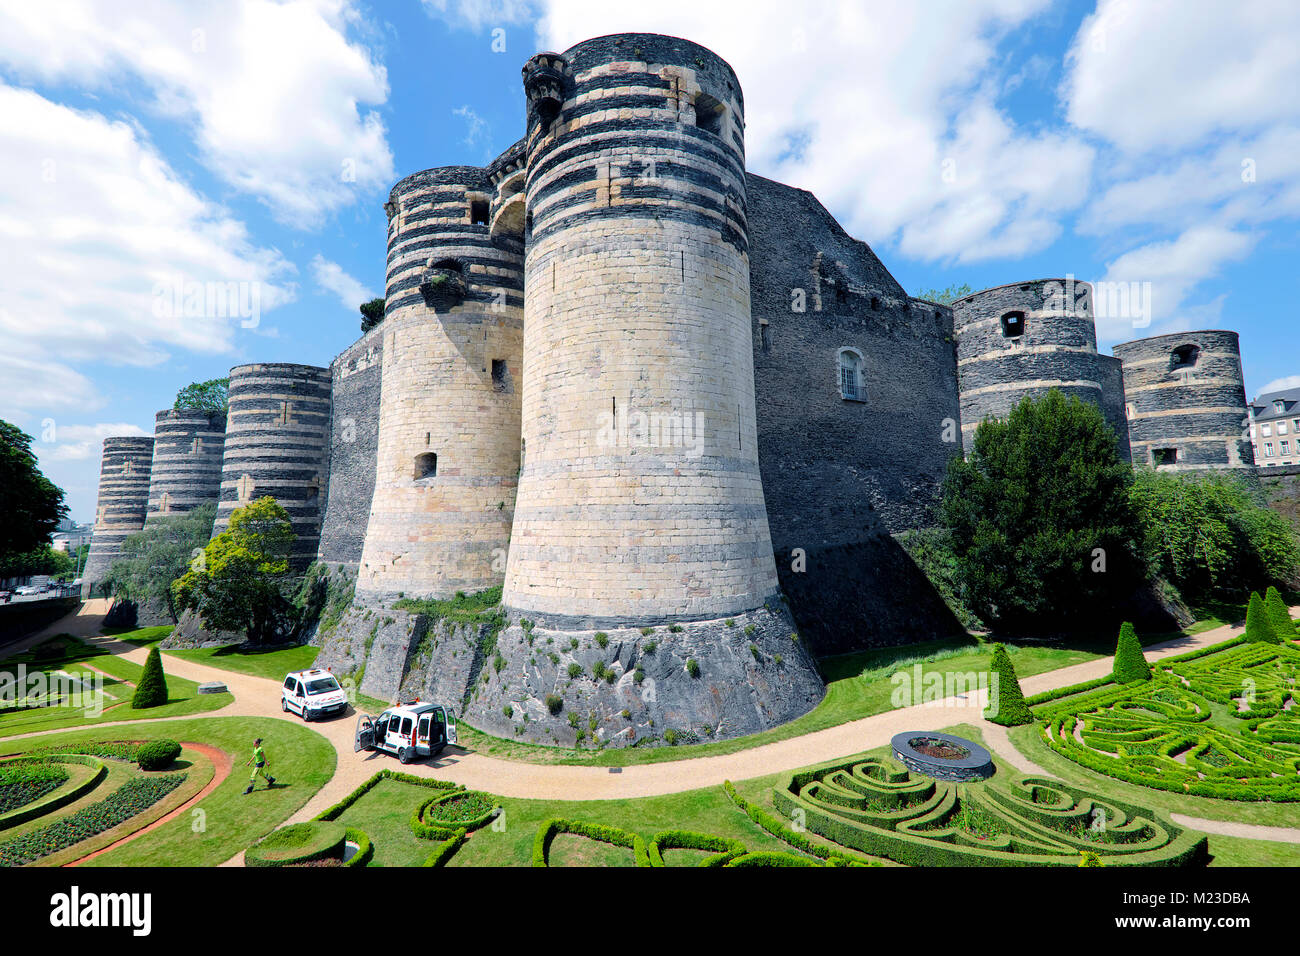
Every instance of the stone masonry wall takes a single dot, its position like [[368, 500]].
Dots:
[[186, 470], [124, 472]]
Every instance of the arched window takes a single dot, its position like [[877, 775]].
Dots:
[[426, 465], [1184, 356], [852, 386]]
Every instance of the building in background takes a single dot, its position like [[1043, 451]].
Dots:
[[1275, 428]]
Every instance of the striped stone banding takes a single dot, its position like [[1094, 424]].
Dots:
[[124, 472], [187, 457]]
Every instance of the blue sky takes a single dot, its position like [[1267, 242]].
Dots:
[[149, 146]]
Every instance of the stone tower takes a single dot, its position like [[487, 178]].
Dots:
[[448, 452], [639, 497], [277, 444], [188, 444], [123, 499], [1027, 338], [1186, 400]]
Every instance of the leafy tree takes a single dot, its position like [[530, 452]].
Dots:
[[1006, 700], [31, 505], [210, 396], [372, 313], [1259, 626], [945, 296], [1130, 664], [1211, 533], [151, 691], [1039, 517], [41, 560], [236, 582], [159, 554], [1280, 615]]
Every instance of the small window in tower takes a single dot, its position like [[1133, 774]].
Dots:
[[1184, 356], [1161, 457], [875, 304], [426, 465], [478, 212], [450, 264], [1013, 325], [500, 375], [708, 113], [548, 110]]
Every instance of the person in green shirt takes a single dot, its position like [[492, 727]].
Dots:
[[258, 761]]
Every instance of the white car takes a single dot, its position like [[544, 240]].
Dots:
[[407, 730], [312, 694]]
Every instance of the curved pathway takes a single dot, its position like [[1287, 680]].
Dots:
[[260, 697]]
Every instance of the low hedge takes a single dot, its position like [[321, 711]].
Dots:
[[157, 754], [592, 831], [334, 812], [797, 840], [446, 849], [769, 858], [365, 849], [60, 797], [135, 796], [26, 782], [723, 850], [1050, 695], [298, 843], [426, 824]]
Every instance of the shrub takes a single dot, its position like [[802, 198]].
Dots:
[[692, 667], [547, 832], [670, 737], [1279, 614], [299, 843], [508, 711], [365, 849], [649, 646], [554, 703], [753, 649], [675, 628], [157, 754], [1130, 665], [730, 622], [575, 669], [1009, 709], [1259, 625], [647, 631], [749, 630], [602, 639], [638, 675], [151, 691]]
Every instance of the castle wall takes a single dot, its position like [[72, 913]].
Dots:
[[277, 444], [356, 376], [1186, 415], [124, 471], [640, 498], [841, 476], [1110, 373], [1056, 348], [448, 449], [187, 452]]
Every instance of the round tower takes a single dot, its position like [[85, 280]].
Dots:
[[277, 444], [448, 447], [1025, 339], [639, 495], [186, 471], [1186, 401], [123, 499]]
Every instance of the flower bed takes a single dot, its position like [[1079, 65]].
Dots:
[[23, 783]]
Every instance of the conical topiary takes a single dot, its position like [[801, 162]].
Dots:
[[151, 691], [1279, 614], [1006, 701], [1130, 664], [1259, 627]]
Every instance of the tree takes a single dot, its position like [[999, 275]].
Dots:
[[1006, 700], [1259, 626], [159, 554], [1211, 533], [1280, 615], [1130, 664], [210, 396], [372, 313], [151, 691], [31, 505], [1039, 517], [41, 560], [945, 296], [236, 582]]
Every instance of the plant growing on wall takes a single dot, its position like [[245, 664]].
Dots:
[[209, 396]]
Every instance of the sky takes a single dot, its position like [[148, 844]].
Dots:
[[187, 186]]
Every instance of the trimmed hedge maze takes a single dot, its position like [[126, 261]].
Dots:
[[875, 806], [1221, 723]]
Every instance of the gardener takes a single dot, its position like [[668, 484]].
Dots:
[[258, 760]]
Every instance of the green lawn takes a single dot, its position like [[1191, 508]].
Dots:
[[857, 685], [233, 657], [114, 699], [300, 759]]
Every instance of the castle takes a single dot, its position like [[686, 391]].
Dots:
[[671, 407]]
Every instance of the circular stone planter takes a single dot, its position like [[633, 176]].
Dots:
[[942, 756], [212, 687]]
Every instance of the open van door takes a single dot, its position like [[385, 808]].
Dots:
[[451, 725], [364, 739]]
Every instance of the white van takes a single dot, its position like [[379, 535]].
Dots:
[[312, 694], [407, 730]]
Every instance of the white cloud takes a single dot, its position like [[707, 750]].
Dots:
[[875, 102], [275, 91], [79, 442], [1163, 74], [331, 277], [1278, 384], [96, 230], [476, 127], [476, 14]]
